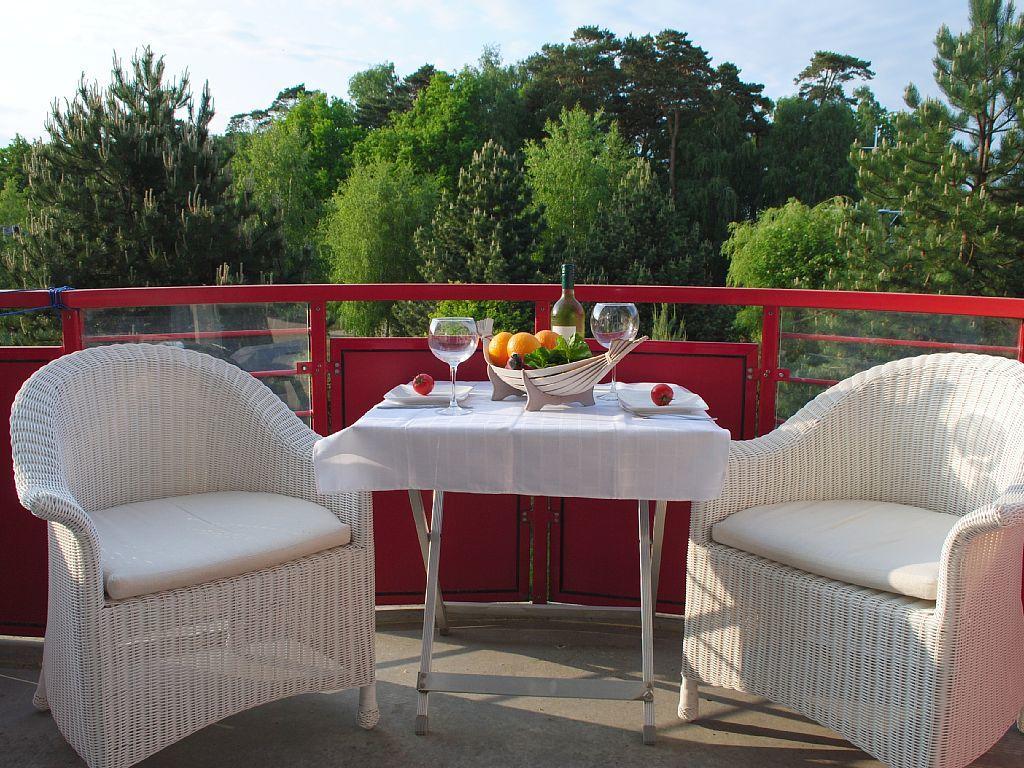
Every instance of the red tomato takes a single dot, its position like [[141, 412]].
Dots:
[[423, 383], [662, 394]]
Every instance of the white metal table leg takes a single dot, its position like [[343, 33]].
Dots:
[[646, 619], [659, 536], [430, 601], [420, 519]]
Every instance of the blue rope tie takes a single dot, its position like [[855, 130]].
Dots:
[[56, 302]]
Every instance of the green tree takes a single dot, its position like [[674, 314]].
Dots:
[[376, 93], [258, 119], [450, 120], [824, 78], [719, 178], [792, 246], [582, 73], [487, 231], [369, 229], [807, 152], [130, 190], [953, 176], [665, 76], [636, 238], [13, 159], [874, 122], [572, 171], [293, 165]]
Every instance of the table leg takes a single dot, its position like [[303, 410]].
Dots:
[[646, 620], [418, 517], [430, 601], [659, 537]]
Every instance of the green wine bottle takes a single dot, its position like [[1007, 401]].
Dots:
[[567, 313]]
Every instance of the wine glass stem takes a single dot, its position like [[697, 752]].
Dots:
[[453, 403], [611, 389]]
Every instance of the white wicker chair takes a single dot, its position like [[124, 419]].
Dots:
[[125, 678], [917, 684]]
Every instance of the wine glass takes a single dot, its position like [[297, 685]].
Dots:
[[453, 340], [609, 322]]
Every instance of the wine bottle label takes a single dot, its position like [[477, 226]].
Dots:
[[565, 331]]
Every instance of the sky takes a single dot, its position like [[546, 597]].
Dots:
[[248, 51]]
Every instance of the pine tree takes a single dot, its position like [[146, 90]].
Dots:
[[636, 238], [953, 174], [487, 231], [823, 79], [131, 190]]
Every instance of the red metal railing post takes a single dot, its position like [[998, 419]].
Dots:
[[71, 330], [318, 356], [1020, 341], [769, 378]]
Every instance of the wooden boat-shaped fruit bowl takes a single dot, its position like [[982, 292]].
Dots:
[[568, 383]]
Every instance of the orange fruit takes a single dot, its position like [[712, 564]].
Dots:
[[522, 344], [497, 348], [547, 338]]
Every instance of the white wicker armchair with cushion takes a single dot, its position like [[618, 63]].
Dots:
[[194, 569], [863, 563]]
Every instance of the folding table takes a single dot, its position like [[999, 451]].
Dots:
[[595, 451]]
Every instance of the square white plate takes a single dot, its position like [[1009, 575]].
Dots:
[[404, 394], [636, 398]]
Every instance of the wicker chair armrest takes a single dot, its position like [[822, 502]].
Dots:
[[778, 467], [289, 471], [981, 557], [57, 505]]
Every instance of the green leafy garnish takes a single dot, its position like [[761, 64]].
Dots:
[[564, 352]]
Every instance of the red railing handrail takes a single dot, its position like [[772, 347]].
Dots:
[[926, 303]]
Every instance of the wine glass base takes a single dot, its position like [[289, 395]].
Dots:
[[458, 410]]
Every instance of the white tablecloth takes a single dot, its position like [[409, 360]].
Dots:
[[597, 452]]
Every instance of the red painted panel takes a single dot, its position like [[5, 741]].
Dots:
[[486, 540], [23, 537], [594, 552], [595, 557]]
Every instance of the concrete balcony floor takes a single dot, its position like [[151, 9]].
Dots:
[[320, 730]]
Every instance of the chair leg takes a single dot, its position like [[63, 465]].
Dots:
[[368, 712], [689, 705], [39, 700]]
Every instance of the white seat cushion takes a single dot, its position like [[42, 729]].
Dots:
[[181, 541], [891, 547]]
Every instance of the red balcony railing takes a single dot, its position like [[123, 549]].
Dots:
[[512, 548]]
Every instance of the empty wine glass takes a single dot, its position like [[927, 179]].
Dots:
[[609, 322], [453, 340]]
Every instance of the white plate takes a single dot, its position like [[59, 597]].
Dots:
[[404, 394], [636, 398]]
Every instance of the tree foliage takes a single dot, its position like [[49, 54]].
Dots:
[[572, 171], [293, 165], [792, 246], [450, 119], [806, 154], [824, 78], [13, 159], [130, 190], [369, 230], [487, 231], [953, 172], [636, 238]]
